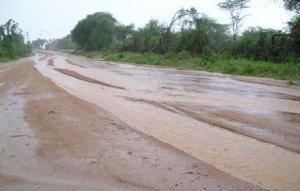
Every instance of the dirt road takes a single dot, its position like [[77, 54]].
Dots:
[[72, 123]]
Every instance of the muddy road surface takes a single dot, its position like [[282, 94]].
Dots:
[[72, 123]]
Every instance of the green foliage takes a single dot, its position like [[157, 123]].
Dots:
[[147, 39], [293, 5], [95, 32], [11, 42], [123, 38], [205, 35], [263, 44], [295, 34], [194, 41], [197, 34], [182, 18], [151, 34]]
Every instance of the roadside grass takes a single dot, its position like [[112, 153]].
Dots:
[[7, 59], [219, 64], [4, 59]]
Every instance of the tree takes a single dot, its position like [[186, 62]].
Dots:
[[181, 15], [294, 24], [263, 44], [12, 41], [186, 16], [235, 8], [148, 38], [205, 36], [292, 5], [152, 33], [295, 34], [94, 32], [124, 37], [38, 43]]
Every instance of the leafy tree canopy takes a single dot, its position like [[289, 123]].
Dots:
[[38, 43], [292, 5], [95, 31], [12, 41]]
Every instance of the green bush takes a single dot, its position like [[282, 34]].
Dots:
[[12, 44]]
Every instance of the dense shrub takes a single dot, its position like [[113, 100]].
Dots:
[[11, 41], [188, 31]]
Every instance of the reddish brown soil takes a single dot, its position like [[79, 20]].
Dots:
[[90, 149]]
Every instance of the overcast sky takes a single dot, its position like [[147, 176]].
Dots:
[[56, 18]]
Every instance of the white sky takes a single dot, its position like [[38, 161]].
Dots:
[[56, 18]]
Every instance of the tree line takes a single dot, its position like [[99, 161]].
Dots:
[[12, 43], [192, 32]]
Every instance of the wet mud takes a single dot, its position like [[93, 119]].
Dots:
[[51, 140], [232, 124]]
